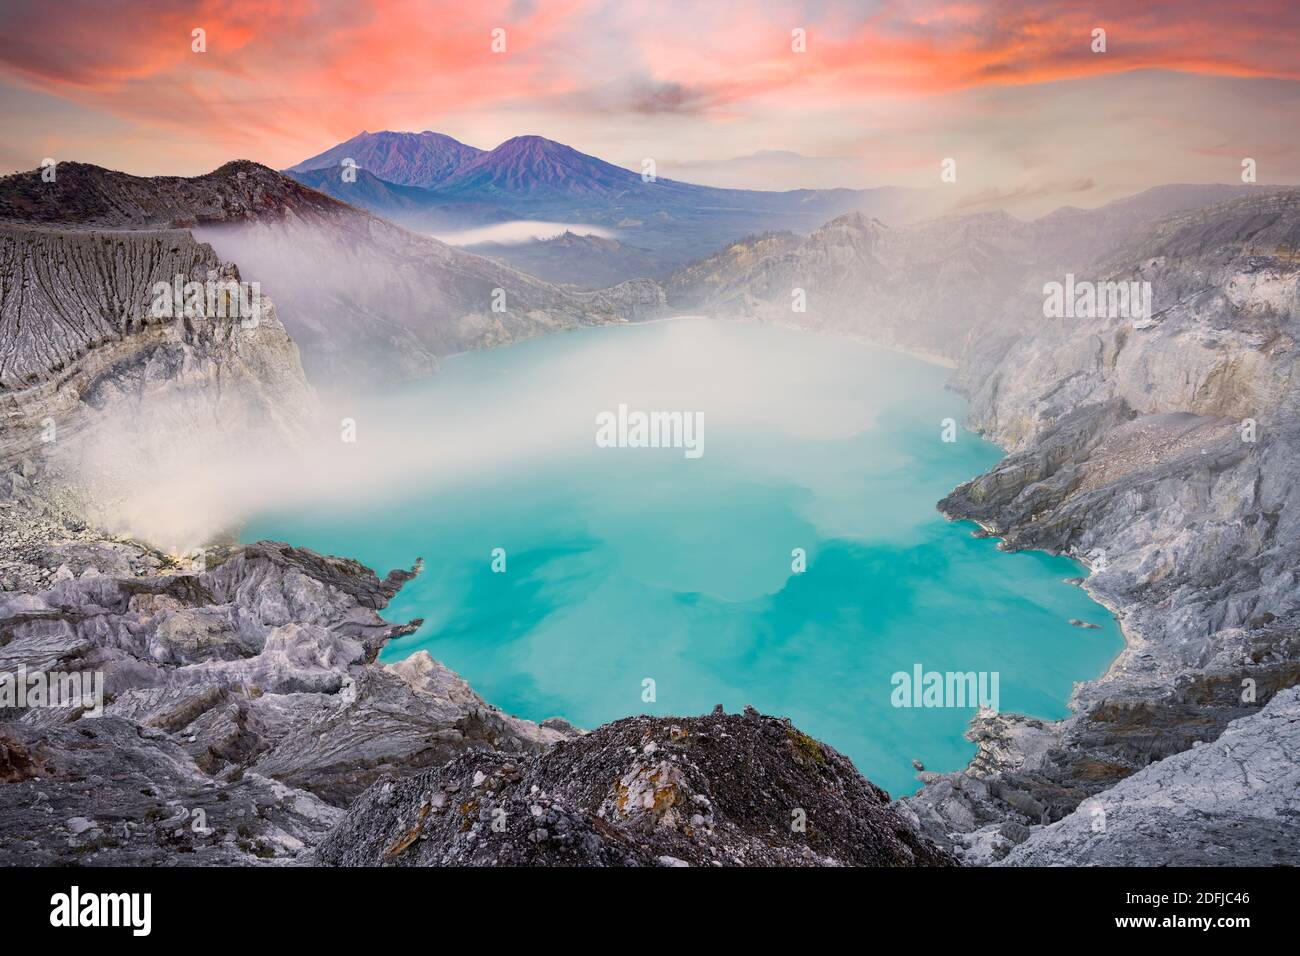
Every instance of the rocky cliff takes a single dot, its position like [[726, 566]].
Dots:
[[78, 332], [102, 396], [1233, 802], [1166, 453]]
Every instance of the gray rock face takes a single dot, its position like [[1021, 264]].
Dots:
[[117, 793], [78, 337], [1233, 802], [100, 395], [248, 691], [716, 790], [1219, 344]]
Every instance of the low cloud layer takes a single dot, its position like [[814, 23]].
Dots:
[[519, 231]]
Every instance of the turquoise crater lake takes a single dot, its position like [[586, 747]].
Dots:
[[628, 564]]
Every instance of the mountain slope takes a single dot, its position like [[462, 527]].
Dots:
[[941, 286], [410, 206], [532, 167], [366, 301], [407, 159], [922, 288]]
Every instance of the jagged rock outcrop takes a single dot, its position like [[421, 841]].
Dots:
[[248, 691], [717, 790]]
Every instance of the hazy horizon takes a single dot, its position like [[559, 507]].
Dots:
[[524, 229]]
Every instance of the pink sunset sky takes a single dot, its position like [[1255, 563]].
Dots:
[[711, 90]]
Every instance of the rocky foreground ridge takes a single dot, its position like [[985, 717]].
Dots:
[[1232, 802], [717, 790]]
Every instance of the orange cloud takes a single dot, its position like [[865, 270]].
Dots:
[[291, 69], [906, 48]]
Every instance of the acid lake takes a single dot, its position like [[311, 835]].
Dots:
[[797, 564]]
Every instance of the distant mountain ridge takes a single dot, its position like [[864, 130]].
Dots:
[[413, 206], [89, 195], [531, 177], [527, 168], [407, 159]]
